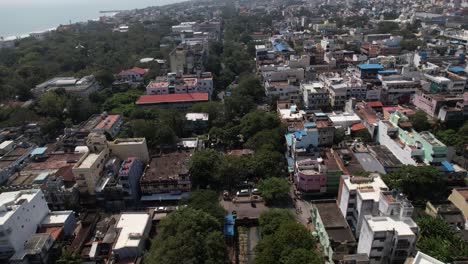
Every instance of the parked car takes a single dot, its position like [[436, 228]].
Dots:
[[243, 192]]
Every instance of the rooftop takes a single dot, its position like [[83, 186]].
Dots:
[[56, 218], [108, 122], [132, 229], [196, 116], [13, 200], [370, 67], [369, 163], [167, 166], [334, 222], [384, 223], [172, 98], [368, 187]]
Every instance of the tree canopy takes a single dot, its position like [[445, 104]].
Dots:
[[439, 240], [285, 241], [420, 183], [274, 188], [187, 236]]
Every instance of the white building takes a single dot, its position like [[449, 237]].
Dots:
[[422, 258], [282, 90], [81, 87], [359, 196], [314, 95], [396, 89], [133, 229], [344, 120], [343, 87], [386, 240], [21, 213]]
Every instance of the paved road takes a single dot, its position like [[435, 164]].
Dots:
[[302, 209]]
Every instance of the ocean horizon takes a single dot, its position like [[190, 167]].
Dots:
[[19, 18]]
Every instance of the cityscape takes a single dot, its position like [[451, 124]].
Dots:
[[239, 132]]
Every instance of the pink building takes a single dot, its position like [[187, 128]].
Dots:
[[310, 176], [431, 104]]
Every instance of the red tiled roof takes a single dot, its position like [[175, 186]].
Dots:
[[172, 98], [15, 104], [375, 104], [66, 173], [357, 127], [54, 231], [108, 122], [135, 69]]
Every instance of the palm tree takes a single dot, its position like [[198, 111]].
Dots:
[[69, 257]]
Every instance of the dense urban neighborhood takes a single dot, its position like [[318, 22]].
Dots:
[[239, 131]]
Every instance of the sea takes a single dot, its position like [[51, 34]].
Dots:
[[20, 17]]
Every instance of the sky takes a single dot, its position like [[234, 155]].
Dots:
[[18, 17]]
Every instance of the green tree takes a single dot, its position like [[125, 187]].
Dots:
[[256, 121], [439, 240], [187, 236], [420, 183], [271, 220], [274, 188], [419, 121], [204, 168], [280, 245], [303, 256], [207, 201]]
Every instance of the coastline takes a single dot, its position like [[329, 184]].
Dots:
[[39, 32]]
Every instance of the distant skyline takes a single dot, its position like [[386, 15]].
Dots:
[[24, 16]]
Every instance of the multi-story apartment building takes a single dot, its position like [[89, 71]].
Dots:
[[343, 87], [450, 84], [444, 107], [89, 169], [397, 89], [124, 148], [409, 146], [166, 177], [310, 176], [282, 90], [129, 177], [459, 197], [176, 84], [359, 196], [21, 212], [386, 240], [187, 58], [314, 95]]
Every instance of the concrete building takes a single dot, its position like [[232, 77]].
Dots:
[[133, 75], [386, 240], [124, 148], [166, 177], [21, 212], [314, 95], [187, 58], [448, 212], [359, 196], [342, 88], [310, 176], [439, 106], [332, 231], [133, 231], [409, 146], [459, 197], [282, 90], [81, 87], [344, 120], [422, 258], [176, 84], [196, 122], [397, 89], [129, 177]]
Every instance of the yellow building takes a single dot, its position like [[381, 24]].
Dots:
[[459, 198], [130, 147]]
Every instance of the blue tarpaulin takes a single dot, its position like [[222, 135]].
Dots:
[[447, 166], [229, 225]]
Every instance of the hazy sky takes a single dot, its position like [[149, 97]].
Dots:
[[18, 17]]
